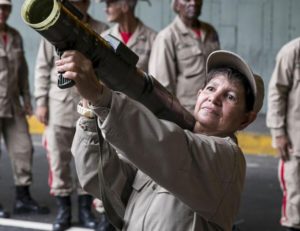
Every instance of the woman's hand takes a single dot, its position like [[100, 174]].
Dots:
[[77, 67]]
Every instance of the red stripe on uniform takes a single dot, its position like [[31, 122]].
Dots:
[[283, 185], [50, 174]]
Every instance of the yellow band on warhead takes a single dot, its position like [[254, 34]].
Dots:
[[46, 19]]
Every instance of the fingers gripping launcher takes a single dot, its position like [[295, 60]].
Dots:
[[60, 23]]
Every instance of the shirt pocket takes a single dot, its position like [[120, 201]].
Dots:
[[140, 181], [190, 61]]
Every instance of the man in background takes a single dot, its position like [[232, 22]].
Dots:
[[129, 29], [283, 119], [56, 108], [14, 86], [180, 51]]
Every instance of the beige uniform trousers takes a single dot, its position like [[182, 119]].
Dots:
[[62, 179], [59, 141], [19, 146], [289, 177]]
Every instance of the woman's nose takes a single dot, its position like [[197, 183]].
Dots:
[[216, 98]]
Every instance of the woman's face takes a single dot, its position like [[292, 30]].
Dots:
[[221, 107]]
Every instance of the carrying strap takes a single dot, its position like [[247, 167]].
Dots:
[[114, 211]]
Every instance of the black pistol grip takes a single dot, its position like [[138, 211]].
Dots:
[[64, 83]]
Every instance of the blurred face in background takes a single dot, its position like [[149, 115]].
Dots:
[[188, 9], [115, 10], [4, 14]]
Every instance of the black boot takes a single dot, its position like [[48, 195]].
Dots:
[[64, 214], [3, 213], [104, 225], [24, 204], [86, 217]]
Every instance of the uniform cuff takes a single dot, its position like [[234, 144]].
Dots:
[[101, 107], [104, 100], [277, 132], [41, 102]]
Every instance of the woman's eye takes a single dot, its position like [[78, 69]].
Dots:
[[231, 97], [209, 88]]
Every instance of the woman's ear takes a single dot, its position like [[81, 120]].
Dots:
[[249, 118]]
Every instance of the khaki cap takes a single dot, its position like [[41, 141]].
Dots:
[[5, 2], [222, 58]]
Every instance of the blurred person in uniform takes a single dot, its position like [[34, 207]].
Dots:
[[162, 177], [15, 104], [180, 51], [56, 108], [129, 29], [283, 119]]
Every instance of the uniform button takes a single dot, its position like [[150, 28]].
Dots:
[[154, 186]]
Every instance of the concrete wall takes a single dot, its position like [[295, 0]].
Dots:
[[255, 29]]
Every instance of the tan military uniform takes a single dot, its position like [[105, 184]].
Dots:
[[186, 181], [13, 125], [140, 42], [178, 59], [63, 115], [283, 117]]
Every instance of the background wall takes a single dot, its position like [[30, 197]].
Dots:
[[255, 29]]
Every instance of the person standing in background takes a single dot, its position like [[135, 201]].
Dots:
[[283, 119], [132, 32], [56, 108], [14, 86], [180, 51], [129, 29]]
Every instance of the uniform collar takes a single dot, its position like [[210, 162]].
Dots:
[[136, 35], [184, 30]]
